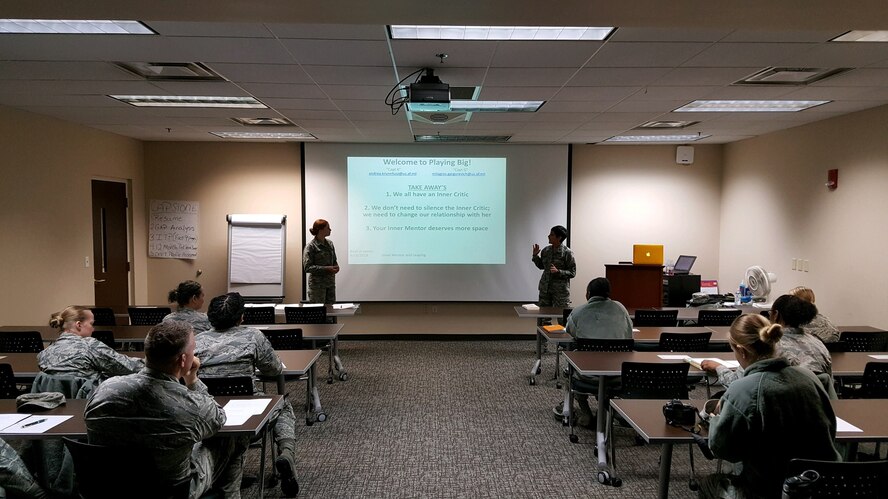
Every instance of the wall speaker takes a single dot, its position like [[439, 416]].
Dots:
[[684, 155]]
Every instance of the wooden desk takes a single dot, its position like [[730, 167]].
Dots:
[[281, 318], [316, 333], [604, 365], [646, 417], [646, 335], [123, 334]]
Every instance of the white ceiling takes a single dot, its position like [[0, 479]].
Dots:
[[330, 78]]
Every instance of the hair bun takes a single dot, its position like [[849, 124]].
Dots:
[[56, 321], [771, 334]]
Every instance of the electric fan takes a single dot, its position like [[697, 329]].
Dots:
[[759, 281]]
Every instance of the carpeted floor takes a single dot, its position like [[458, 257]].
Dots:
[[444, 419]]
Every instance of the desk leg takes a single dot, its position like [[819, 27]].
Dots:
[[343, 376], [536, 365], [567, 408], [262, 463], [313, 410], [603, 411], [665, 469], [330, 362]]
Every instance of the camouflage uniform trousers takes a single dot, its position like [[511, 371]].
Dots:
[[321, 291], [553, 298], [15, 477]]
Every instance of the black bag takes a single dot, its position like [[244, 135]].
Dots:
[[678, 413]]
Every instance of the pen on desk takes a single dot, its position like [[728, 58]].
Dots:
[[32, 423]]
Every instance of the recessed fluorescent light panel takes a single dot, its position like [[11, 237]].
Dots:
[[429, 32], [177, 71], [656, 138], [263, 121], [748, 106], [667, 124], [74, 27], [265, 135], [862, 36], [496, 106], [189, 101], [790, 76]]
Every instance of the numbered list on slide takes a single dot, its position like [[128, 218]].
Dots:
[[426, 210]]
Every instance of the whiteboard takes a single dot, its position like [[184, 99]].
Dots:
[[256, 255]]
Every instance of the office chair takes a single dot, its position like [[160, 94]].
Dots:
[[652, 380], [285, 339], [305, 315], [20, 342], [8, 388], [258, 315], [147, 316], [864, 342], [106, 337], [717, 317], [104, 471], [589, 385], [104, 316], [655, 318], [687, 342], [841, 480]]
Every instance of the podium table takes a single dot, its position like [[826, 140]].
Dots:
[[636, 286]]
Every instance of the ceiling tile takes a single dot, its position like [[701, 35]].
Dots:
[[616, 77], [338, 52], [556, 54], [645, 54], [738, 55]]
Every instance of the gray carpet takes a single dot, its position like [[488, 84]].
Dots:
[[457, 419]]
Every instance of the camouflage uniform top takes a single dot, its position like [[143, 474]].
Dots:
[[316, 255], [238, 351], [798, 348], [198, 320], [821, 327], [563, 259], [87, 357], [151, 411]]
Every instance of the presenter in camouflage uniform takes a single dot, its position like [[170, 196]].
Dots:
[[229, 349], [189, 298], [319, 262], [15, 479], [175, 425], [558, 266], [77, 353]]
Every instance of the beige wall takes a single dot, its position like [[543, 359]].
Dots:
[[45, 212], [775, 207]]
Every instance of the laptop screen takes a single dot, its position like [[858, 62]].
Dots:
[[683, 264]]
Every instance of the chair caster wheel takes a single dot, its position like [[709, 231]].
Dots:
[[539, 370], [605, 478], [693, 485], [533, 381], [322, 416], [558, 386], [330, 380], [343, 376], [308, 422], [574, 439]]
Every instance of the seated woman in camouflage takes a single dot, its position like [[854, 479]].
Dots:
[[77, 353], [189, 297]]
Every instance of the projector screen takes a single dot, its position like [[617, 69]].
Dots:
[[436, 222]]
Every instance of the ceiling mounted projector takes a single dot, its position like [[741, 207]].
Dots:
[[429, 94]]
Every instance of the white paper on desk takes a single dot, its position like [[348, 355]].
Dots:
[[259, 305], [672, 357], [842, 425], [2, 356], [7, 420], [239, 411], [636, 330], [530, 306], [877, 357], [343, 306], [48, 422], [733, 364], [312, 305]]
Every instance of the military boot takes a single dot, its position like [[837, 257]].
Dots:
[[285, 464]]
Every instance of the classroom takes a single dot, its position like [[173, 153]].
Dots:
[[755, 193]]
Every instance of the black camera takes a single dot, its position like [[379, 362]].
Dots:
[[678, 413]]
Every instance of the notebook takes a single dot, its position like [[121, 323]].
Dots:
[[647, 254], [683, 264]]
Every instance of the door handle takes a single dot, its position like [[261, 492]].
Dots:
[[99, 280]]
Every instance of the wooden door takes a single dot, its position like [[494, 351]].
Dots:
[[110, 256]]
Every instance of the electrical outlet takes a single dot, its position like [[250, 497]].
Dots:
[[795, 263], [434, 309], [805, 265], [86, 262]]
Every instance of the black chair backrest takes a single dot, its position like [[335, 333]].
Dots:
[[875, 380], [8, 389], [306, 315], [147, 316], [717, 317], [285, 339], [104, 472], [684, 342], [565, 314], [654, 380], [849, 479], [864, 342], [20, 342], [106, 337], [599, 345], [104, 316], [228, 385], [655, 318], [259, 315]]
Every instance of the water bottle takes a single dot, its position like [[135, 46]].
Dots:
[[738, 296], [744, 293]]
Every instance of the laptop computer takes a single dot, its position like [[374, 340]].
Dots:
[[647, 254], [683, 264]]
